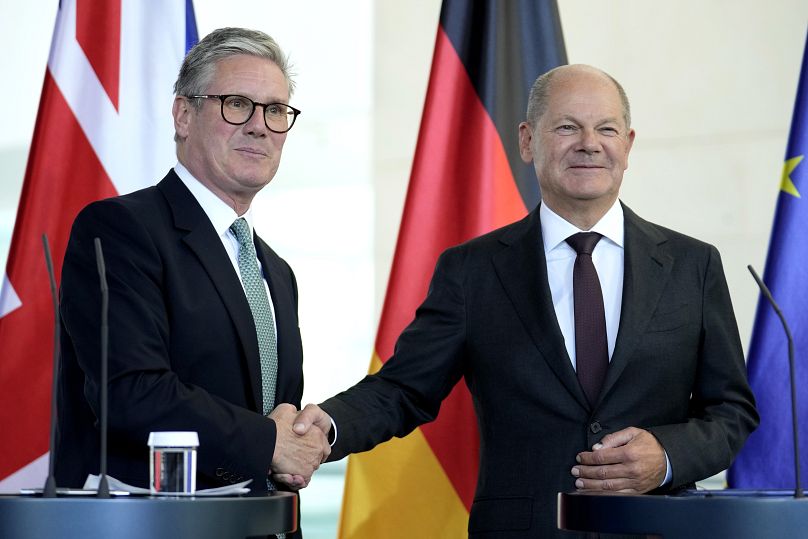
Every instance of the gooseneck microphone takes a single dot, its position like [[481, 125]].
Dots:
[[49, 491], [792, 377], [103, 484]]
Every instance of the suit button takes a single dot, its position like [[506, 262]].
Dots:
[[219, 472], [595, 427]]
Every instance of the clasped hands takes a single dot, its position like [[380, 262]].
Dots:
[[299, 449], [629, 460]]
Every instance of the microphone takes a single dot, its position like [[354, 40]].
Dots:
[[103, 484], [49, 490], [768, 295]]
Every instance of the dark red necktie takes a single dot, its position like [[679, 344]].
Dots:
[[591, 348]]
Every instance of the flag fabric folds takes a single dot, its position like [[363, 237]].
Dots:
[[103, 128], [767, 459], [467, 179]]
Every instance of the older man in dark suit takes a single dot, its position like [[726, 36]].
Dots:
[[203, 327], [601, 350]]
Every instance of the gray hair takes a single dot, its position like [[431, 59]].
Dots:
[[537, 101], [199, 65]]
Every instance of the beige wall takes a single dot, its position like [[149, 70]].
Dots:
[[712, 86]]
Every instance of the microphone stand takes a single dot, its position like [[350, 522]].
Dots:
[[103, 484], [792, 377], [49, 490]]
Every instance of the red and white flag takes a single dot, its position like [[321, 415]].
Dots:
[[103, 128]]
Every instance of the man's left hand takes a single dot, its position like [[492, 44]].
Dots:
[[629, 460]]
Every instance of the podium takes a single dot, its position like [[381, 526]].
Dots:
[[737, 514], [129, 517]]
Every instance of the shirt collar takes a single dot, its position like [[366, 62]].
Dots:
[[555, 229], [220, 214]]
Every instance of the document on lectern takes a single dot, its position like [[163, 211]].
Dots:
[[230, 490]]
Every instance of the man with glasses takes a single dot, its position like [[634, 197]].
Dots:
[[203, 324]]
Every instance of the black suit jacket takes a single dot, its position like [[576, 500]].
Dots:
[[677, 370], [183, 351]]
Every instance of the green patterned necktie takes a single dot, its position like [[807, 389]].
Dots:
[[256, 293]]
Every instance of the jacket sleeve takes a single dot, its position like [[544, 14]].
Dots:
[[425, 366]]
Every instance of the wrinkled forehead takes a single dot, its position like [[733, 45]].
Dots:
[[235, 74]]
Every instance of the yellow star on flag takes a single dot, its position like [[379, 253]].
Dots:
[[786, 184]]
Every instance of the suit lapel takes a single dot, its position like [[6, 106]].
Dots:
[[647, 267], [522, 271], [201, 238]]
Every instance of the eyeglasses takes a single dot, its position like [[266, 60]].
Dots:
[[237, 110]]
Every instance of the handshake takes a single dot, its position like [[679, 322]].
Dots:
[[299, 449]]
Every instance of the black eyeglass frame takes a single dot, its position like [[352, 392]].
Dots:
[[223, 98]]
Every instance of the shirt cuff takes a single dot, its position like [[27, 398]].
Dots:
[[668, 471], [334, 430]]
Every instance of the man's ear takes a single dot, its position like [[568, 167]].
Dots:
[[525, 138], [181, 110], [630, 138]]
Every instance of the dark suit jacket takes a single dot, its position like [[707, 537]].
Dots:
[[677, 370], [183, 351]]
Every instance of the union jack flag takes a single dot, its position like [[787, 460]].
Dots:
[[104, 128]]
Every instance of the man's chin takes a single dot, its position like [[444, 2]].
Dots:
[[257, 177]]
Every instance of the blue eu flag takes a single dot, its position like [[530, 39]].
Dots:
[[767, 459]]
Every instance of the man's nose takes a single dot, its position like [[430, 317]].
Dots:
[[590, 143], [256, 125]]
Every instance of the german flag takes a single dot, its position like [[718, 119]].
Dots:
[[467, 179]]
